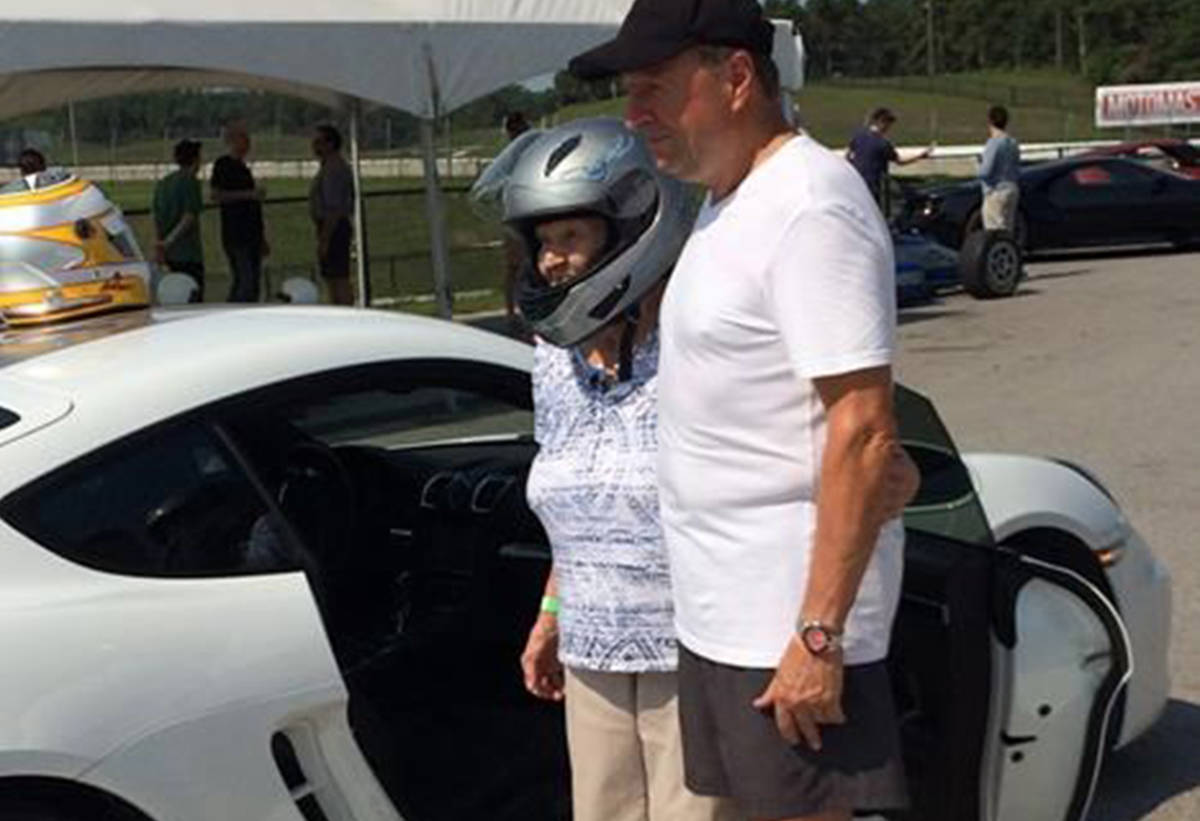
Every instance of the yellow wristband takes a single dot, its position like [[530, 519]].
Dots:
[[550, 605]]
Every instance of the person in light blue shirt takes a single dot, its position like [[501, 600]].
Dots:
[[999, 173]]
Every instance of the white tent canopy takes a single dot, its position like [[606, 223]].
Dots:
[[426, 57], [393, 52]]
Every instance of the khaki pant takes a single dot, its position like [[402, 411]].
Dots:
[[1000, 207], [626, 754]]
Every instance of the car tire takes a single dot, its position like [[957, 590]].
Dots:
[[990, 264]]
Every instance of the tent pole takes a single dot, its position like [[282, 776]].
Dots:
[[361, 262], [437, 223], [435, 211], [74, 139]]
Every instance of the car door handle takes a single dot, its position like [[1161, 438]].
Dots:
[[1016, 740]]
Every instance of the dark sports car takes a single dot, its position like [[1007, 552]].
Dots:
[[1077, 202]]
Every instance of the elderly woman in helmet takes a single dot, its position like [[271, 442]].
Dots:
[[601, 230]]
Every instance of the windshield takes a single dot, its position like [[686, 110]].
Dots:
[[21, 255]]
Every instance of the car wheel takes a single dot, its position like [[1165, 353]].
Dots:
[[989, 264]]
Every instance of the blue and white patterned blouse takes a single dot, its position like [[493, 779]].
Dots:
[[594, 487]]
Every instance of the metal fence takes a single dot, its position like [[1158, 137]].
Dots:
[[397, 240]]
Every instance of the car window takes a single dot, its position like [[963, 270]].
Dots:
[[946, 503], [1091, 175], [38, 254], [409, 416], [170, 502], [7, 418], [1098, 183]]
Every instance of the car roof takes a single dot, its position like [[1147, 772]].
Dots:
[[170, 345], [124, 372], [175, 359]]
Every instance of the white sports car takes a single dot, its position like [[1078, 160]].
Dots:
[[263, 564]]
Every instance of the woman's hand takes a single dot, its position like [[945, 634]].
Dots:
[[539, 663]]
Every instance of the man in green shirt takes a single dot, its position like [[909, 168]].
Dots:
[[177, 206]]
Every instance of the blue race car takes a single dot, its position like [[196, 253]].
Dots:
[[987, 266]]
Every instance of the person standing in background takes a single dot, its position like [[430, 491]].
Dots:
[[871, 152], [331, 206], [177, 207], [31, 161], [515, 125], [242, 233], [1000, 173]]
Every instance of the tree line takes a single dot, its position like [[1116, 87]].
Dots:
[[169, 115], [1105, 41]]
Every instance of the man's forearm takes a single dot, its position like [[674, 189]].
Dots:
[[185, 222], [988, 163], [850, 513]]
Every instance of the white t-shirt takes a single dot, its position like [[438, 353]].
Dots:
[[788, 278]]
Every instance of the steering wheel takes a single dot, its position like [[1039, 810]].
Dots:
[[319, 495]]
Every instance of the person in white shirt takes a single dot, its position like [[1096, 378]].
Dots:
[[776, 428]]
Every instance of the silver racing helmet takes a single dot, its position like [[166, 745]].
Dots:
[[593, 167]]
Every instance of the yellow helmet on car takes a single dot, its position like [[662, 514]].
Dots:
[[66, 252]]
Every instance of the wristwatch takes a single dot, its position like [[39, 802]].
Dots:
[[818, 638]]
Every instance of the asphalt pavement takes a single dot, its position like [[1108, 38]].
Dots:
[[1096, 358]]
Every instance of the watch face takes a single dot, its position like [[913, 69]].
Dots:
[[816, 639]]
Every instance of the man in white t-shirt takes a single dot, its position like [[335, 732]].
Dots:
[[776, 428]]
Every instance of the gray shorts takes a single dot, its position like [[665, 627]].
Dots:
[[732, 749]]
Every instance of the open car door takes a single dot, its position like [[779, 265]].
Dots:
[[1006, 668]]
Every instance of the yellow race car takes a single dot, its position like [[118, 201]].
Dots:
[[66, 252]]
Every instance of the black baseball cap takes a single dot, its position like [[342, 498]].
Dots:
[[656, 30]]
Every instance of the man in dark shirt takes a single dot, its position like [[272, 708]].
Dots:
[[871, 151], [242, 236], [331, 205]]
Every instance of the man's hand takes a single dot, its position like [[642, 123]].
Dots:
[[539, 662], [805, 692], [901, 482]]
